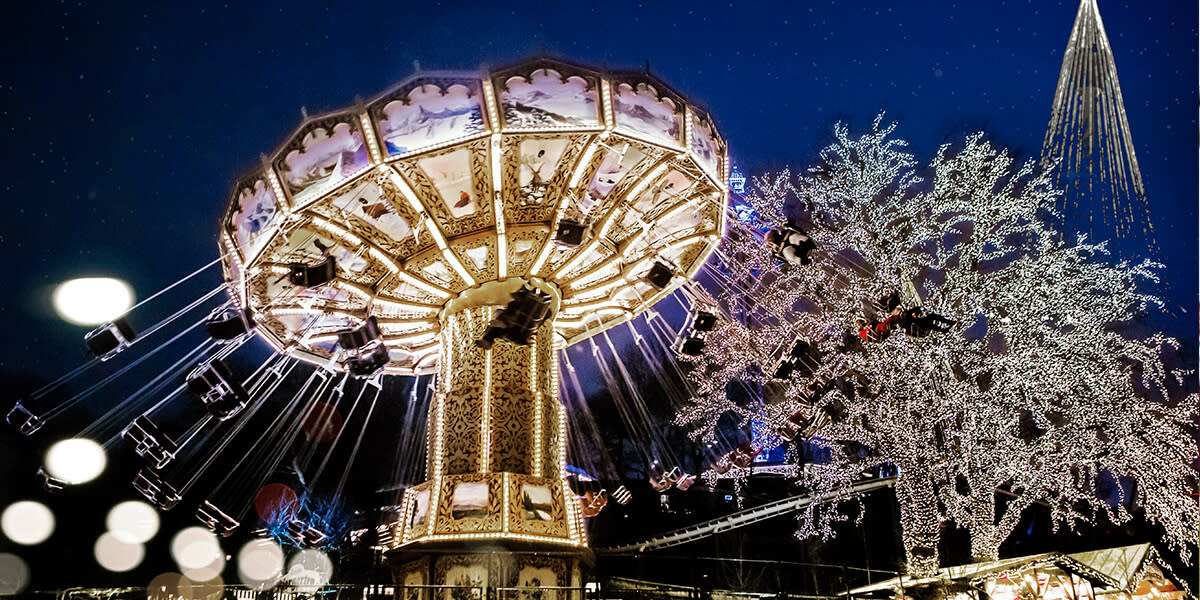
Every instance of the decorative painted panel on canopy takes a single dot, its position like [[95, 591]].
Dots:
[[452, 180]]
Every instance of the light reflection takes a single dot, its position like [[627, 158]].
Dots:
[[117, 556], [76, 460], [132, 522], [206, 573], [196, 549], [190, 589], [309, 570], [164, 587], [27, 522], [14, 574], [92, 300], [260, 564]]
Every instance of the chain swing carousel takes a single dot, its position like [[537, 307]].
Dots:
[[471, 225]]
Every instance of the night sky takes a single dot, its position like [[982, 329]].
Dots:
[[126, 126]]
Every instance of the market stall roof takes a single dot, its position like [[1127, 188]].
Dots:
[[1108, 568]]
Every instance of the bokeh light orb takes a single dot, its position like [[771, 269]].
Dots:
[[322, 422], [309, 570], [260, 564], [275, 502], [211, 571], [27, 522], [76, 460], [92, 300], [190, 589], [132, 522], [117, 556], [14, 574], [164, 586], [195, 548]]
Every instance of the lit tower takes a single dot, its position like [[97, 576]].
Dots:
[[468, 225], [1089, 134]]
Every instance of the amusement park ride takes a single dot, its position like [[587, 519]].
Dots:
[[467, 225]]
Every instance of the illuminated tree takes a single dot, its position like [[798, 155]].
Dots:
[[1037, 390]]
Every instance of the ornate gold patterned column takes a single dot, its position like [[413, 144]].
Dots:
[[496, 441]]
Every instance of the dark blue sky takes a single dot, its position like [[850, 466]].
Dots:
[[125, 127]]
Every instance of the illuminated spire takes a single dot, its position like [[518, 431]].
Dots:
[[1089, 134]]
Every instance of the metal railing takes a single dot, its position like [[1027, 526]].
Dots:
[[738, 519], [427, 592], [548, 592]]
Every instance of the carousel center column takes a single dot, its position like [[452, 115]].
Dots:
[[495, 510]]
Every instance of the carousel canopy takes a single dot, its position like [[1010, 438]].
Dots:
[[577, 180]]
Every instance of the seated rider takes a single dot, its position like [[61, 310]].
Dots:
[[791, 244], [915, 321], [877, 331], [918, 323], [890, 302]]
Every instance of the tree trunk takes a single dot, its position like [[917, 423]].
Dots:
[[919, 523], [985, 535]]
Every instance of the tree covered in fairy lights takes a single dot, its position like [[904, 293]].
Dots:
[[1043, 389]]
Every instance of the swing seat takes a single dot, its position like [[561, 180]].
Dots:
[[216, 520], [704, 321], [794, 424], [672, 476], [50, 483], [367, 363], [304, 534], [592, 503], [108, 340], [622, 495], [693, 345], [153, 488], [150, 443], [570, 233], [519, 320], [684, 482], [229, 323], [305, 275], [220, 393], [360, 337], [660, 275], [23, 419], [743, 460]]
